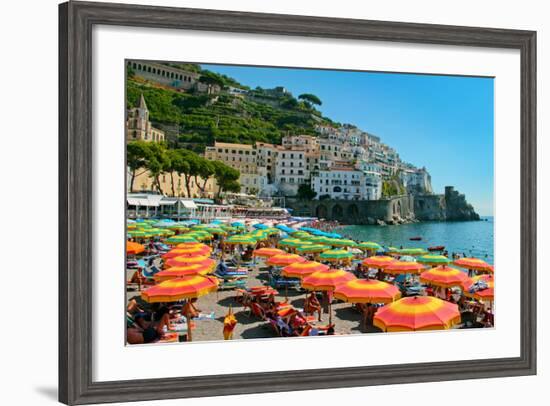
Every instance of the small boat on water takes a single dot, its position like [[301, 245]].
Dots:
[[436, 248], [415, 238]]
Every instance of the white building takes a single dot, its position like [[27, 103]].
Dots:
[[291, 170], [417, 181], [347, 183]]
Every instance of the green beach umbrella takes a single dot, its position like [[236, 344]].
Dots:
[[291, 242], [434, 260], [311, 248], [241, 239], [369, 246], [335, 255], [177, 239], [342, 242], [413, 251]]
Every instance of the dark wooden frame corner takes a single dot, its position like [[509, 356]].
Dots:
[[76, 20]]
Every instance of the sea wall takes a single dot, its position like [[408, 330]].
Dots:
[[395, 210], [451, 206]]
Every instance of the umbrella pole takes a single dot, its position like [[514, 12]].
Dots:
[[330, 312], [188, 319]]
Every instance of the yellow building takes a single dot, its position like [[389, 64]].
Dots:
[[144, 182]]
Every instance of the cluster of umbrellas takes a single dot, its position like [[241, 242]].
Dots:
[[188, 264]]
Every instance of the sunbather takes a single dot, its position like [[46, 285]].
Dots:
[[143, 331], [312, 305]]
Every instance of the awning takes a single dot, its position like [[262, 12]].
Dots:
[[188, 204], [136, 201]]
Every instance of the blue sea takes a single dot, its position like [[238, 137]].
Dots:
[[473, 238]]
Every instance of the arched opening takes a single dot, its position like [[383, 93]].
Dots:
[[337, 212], [321, 212], [352, 211]]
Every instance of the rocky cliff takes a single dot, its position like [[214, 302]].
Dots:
[[451, 206]]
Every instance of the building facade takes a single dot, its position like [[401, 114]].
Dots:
[[138, 126]]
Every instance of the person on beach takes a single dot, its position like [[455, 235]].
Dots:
[[312, 305], [189, 310], [143, 331]]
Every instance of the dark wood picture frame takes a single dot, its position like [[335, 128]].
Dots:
[[76, 20]]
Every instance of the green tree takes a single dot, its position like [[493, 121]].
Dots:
[[305, 192], [226, 177], [310, 99], [205, 171], [157, 163], [137, 155]]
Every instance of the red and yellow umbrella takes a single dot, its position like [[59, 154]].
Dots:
[[190, 244], [284, 259], [302, 269], [187, 287], [417, 313], [366, 291], [181, 271], [267, 252], [379, 261], [326, 280], [184, 261], [404, 267], [444, 276], [188, 252], [133, 248], [482, 294], [474, 264]]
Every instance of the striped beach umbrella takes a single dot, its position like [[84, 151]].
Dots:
[[181, 271], [267, 252], [193, 251], [379, 261], [302, 269], [326, 280], [369, 246], [311, 248], [284, 259], [192, 244], [417, 313], [341, 242], [487, 294], [173, 290], [182, 238], [335, 255], [184, 261], [133, 248], [366, 291], [474, 264], [404, 267], [241, 239], [444, 276], [434, 260], [290, 242], [412, 251]]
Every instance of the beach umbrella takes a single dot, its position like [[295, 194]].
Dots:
[[179, 239], [325, 281], [193, 251], [241, 239], [302, 269], [404, 267], [137, 234], [311, 248], [474, 264], [392, 250], [412, 251], [181, 271], [369, 246], [417, 313], [379, 262], [434, 259], [344, 243], [186, 245], [470, 289], [267, 252], [133, 248], [187, 287], [366, 291], [335, 255], [284, 259], [290, 242], [444, 276], [183, 261]]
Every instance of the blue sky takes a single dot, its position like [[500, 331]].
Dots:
[[442, 122]]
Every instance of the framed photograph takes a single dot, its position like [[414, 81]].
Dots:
[[259, 203]]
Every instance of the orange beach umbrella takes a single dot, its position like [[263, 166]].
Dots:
[[444, 276], [380, 261], [303, 269], [267, 252], [326, 280], [366, 291], [181, 271], [473, 263], [187, 287], [404, 267], [184, 261], [188, 252], [133, 248], [482, 294], [417, 313], [284, 259]]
